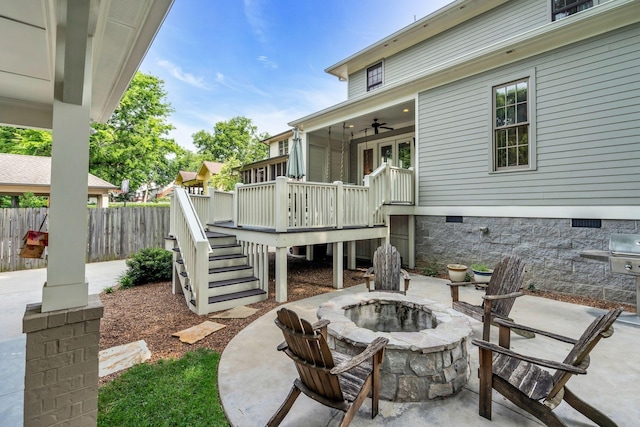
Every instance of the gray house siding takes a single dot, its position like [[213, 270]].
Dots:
[[510, 19], [587, 131]]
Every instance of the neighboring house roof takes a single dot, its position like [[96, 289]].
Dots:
[[213, 167], [185, 176], [279, 137], [17, 170]]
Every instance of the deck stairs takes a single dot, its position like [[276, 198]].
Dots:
[[231, 280]]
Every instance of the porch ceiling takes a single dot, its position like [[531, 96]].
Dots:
[[121, 31], [396, 116]]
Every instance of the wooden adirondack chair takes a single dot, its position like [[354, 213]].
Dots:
[[386, 271], [501, 293], [520, 379], [328, 377]]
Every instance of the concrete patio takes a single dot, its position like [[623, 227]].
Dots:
[[254, 378]]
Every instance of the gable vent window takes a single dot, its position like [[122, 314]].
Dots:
[[374, 76], [563, 8]]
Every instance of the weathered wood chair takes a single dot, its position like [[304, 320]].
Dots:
[[501, 293], [328, 377], [520, 379], [386, 271]]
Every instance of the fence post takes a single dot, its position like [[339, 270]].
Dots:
[[339, 204], [281, 204]]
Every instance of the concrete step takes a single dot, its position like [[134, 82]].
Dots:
[[227, 301]]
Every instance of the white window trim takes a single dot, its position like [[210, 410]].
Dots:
[[530, 75], [376, 144], [550, 8], [366, 76]]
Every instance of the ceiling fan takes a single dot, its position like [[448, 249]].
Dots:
[[375, 125]]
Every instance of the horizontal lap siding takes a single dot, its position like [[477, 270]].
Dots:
[[588, 131], [510, 19]]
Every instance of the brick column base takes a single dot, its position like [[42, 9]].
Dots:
[[61, 371]]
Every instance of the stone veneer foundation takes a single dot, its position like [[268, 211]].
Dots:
[[61, 372], [427, 356]]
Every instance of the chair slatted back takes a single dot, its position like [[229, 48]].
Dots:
[[601, 327], [507, 277], [309, 350], [386, 266]]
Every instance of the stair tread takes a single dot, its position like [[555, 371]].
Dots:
[[219, 283], [236, 295], [231, 268], [225, 246], [226, 256], [214, 234]]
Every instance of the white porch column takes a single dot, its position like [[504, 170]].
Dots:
[[66, 285], [351, 255], [281, 274], [411, 256], [338, 267]]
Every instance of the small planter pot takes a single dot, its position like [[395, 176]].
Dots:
[[482, 276], [457, 272]]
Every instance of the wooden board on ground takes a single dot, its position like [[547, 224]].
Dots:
[[241, 312], [196, 333], [124, 356]]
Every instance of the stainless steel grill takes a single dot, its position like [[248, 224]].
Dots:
[[625, 253], [624, 258]]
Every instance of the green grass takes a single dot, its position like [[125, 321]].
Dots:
[[172, 392]]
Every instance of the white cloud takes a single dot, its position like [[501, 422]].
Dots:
[[177, 72], [257, 22], [267, 62]]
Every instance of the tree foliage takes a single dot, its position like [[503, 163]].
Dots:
[[133, 144], [31, 142], [235, 143]]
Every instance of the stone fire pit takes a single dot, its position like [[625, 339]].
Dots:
[[427, 356]]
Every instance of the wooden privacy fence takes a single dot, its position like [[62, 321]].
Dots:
[[114, 233]]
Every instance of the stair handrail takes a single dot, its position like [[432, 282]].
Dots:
[[194, 246], [379, 193]]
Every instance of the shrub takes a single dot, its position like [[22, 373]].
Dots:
[[479, 267], [429, 271], [148, 265]]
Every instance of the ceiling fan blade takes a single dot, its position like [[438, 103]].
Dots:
[[386, 127]]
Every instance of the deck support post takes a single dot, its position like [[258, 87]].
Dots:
[[351, 255], [411, 256], [309, 252], [338, 261], [281, 274]]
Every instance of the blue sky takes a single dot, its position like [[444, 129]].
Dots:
[[264, 59]]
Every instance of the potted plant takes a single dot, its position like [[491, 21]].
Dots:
[[457, 272], [481, 273]]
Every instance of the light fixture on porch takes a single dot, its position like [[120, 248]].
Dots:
[[406, 110]]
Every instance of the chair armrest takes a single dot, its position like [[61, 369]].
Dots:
[[283, 346], [368, 272], [405, 275], [376, 345], [536, 361], [511, 325], [503, 296], [455, 284], [320, 324]]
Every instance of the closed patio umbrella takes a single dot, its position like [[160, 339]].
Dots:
[[295, 166]]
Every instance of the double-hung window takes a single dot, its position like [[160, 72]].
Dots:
[[511, 126], [374, 76], [563, 8], [283, 147]]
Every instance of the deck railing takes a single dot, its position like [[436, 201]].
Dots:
[[194, 246], [293, 205], [221, 206]]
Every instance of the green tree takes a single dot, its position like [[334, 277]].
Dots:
[[31, 142], [235, 143], [133, 144]]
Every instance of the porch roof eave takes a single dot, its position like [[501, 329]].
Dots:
[[587, 24]]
